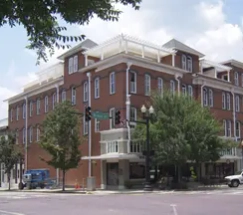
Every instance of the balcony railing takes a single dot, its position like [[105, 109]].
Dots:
[[229, 152]]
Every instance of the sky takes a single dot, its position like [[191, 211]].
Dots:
[[213, 27]]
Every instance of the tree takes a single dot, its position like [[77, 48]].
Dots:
[[39, 18], [182, 130], [60, 137], [9, 154]]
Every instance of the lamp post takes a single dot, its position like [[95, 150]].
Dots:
[[147, 116], [242, 154]]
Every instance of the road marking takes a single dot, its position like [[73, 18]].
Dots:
[[10, 213], [174, 209]]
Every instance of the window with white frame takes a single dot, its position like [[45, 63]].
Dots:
[[85, 91], [31, 108], [147, 85], [112, 113], [223, 101], [31, 134], [46, 104], [97, 125], [228, 101], [97, 88], [70, 65], [112, 83], [242, 79], [37, 134], [236, 77], [54, 100], [17, 136], [24, 135], [160, 86], [17, 113], [75, 63], [11, 114], [24, 110], [210, 98], [189, 64], [228, 128], [237, 103], [85, 126], [133, 116], [133, 82], [73, 96], [38, 106], [183, 89], [64, 95], [172, 86], [112, 146], [237, 129], [190, 91], [205, 97], [183, 58]]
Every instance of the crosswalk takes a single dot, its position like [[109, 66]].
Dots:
[[17, 195]]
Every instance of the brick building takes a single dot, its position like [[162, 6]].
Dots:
[[119, 74]]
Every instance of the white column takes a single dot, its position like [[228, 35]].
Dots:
[[228, 73], [173, 59], [158, 56], [86, 60], [142, 51], [215, 73]]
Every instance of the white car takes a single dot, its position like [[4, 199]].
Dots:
[[235, 180]]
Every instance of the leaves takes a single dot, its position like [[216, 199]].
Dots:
[[39, 18]]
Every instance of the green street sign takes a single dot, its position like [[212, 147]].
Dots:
[[100, 115]]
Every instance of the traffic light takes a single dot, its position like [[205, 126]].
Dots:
[[88, 114], [118, 117]]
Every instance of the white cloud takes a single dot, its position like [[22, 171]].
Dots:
[[201, 24]]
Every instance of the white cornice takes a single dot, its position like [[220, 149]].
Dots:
[[234, 63], [36, 91]]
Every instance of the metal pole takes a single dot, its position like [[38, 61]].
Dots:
[[242, 158], [147, 186]]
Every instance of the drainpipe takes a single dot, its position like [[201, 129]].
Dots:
[[89, 144], [57, 170], [177, 77], [203, 85], [128, 105], [26, 134], [234, 116]]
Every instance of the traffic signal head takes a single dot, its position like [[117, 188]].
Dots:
[[118, 117], [88, 114]]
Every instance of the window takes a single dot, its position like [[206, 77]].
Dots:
[[237, 128], [54, 100], [183, 89], [17, 113], [225, 77], [160, 85], [70, 65], [205, 97], [228, 101], [112, 83], [63, 95], [190, 91], [97, 88], [210, 98], [189, 64], [112, 113], [136, 171], [227, 128], [112, 146], [24, 136], [133, 82], [17, 136], [75, 63], [236, 76], [11, 114], [37, 134], [85, 91], [184, 62], [31, 108], [85, 126], [46, 104], [73, 95], [31, 134], [38, 106], [172, 86], [97, 125], [237, 103], [24, 110], [133, 116], [147, 85], [223, 101]]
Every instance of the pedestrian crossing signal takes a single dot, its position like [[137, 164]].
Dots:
[[118, 117], [88, 114]]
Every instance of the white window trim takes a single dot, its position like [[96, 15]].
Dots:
[[70, 65], [223, 101], [236, 78], [183, 89], [237, 103], [85, 91], [97, 88], [112, 119], [228, 127], [135, 116], [31, 134], [183, 60], [210, 98], [54, 100], [112, 81], [17, 113], [172, 86], [38, 106], [37, 134], [24, 110], [63, 95], [75, 63], [31, 108], [190, 90], [97, 125], [239, 129], [189, 63], [160, 85], [228, 105], [73, 95], [46, 104], [147, 85], [205, 97], [133, 85]]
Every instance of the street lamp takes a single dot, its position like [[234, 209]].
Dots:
[[147, 116]]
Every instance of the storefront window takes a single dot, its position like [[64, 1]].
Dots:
[[136, 171]]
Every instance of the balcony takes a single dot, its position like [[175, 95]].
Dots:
[[230, 153]]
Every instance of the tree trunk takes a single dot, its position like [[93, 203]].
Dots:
[[63, 180], [9, 186]]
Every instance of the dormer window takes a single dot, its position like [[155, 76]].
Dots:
[[73, 64], [236, 76], [186, 62]]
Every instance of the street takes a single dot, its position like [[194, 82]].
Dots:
[[221, 202]]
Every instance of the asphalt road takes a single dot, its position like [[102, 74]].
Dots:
[[190, 203]]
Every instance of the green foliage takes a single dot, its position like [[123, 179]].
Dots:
[[9, 153], [181, 130], [60, 137], [39, 18]]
